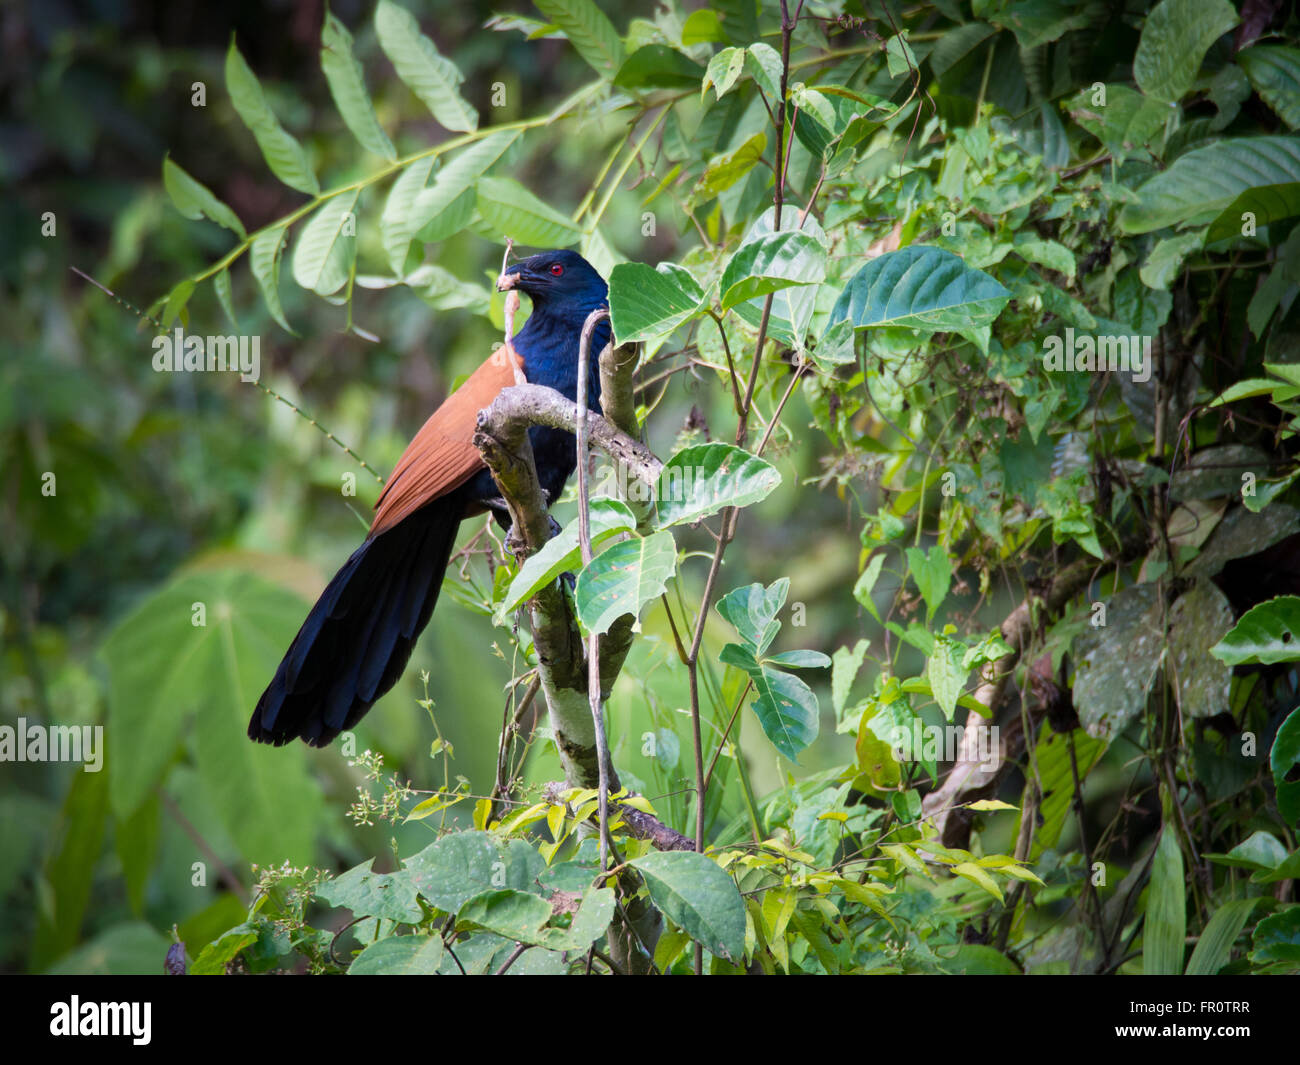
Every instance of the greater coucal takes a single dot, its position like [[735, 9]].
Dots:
[[358, 637]]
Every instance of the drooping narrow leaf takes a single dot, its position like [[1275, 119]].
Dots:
[[348, 87], [327, 245], [433, 77], [397, 224], [283, 154], [264, 261], [195, 200], [589, 31], [515, 212], [1166, 918]]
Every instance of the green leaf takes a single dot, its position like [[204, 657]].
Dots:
[[455, 868], [770, 262], [348, 87], [946, 674], [1166, 916], [434, 78], [1274, 71], [763, 64], [513, 211], [517, 915], [726, 170], [398, 223], [264, 261], [176, 681], [1277, 938], [752, 612], [786, 709], [1260, 850], [866, 583], [703, 479], [1175, 38], [588, 30], [698, 897], [399, 956], [932, 572], [327, 245], [845, 664], [1265, 204], [702, 26], [656, 66], [562, 553], [1214, 948], [1205, 181], [283, 154], [723, 72], [391, 896], [1282, 760], [793, 306], [1266, 634], [221, 285], [645, 303], [195, 200], [800, 659], [452, 192], [979, 877], [623, 579], [922, 288]]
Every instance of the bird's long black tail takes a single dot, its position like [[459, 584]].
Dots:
[[358, 637]]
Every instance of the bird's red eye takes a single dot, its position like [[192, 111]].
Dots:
[[556, 269]]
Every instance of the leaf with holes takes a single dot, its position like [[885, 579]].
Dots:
[[1267, 633]]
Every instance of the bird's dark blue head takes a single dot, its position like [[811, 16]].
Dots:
[[561, 284]]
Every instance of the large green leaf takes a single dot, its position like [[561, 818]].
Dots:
[[1166, 919], [922, 288], [1277, 938], [793, 306], [697, 896], [283, 154], [588, 30], [433, 77], [514, 212], [786, 708], [1267, 633], [348, 87], [1175, 38], [1265, 204], [171, 679], [656, 66], [703, 479], [195, 200], [645, 303], [770, 262], [327, 245], [726, 170], [752, 612], [623, 579], [1205, 181], [399, 956], [455, 868], [369, 894], [562, 553], [1274, 71]]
